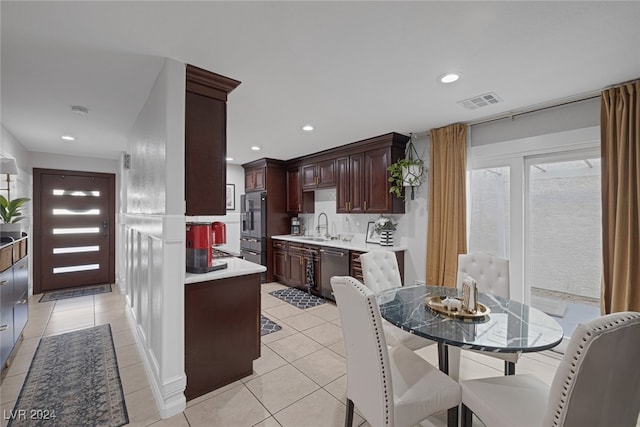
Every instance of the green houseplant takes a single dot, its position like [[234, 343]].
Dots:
[[10, 210], [406, 172]]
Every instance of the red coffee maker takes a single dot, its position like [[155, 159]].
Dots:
[[201, 237]]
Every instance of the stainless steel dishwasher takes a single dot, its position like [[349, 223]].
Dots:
[[333, 262]]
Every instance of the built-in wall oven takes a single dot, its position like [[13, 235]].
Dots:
[[253, 219]]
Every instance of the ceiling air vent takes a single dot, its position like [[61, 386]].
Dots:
[[480, 101]]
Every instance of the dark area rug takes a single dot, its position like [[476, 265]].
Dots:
[[298, 298], [267, 326], [75, 292], [73, 381]]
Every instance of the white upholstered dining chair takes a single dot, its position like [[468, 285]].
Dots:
[[380, 272], [491, 274], [597, 383], [391, 387]]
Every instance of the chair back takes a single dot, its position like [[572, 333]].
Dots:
[[368, 372], [380, 270], [598, 381], [491, 273]]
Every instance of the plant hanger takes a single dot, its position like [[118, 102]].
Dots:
[[406, 172]]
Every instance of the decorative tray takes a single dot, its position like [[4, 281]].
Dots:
[[435, 304]]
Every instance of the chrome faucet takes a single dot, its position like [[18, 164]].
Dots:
[[326, 225]]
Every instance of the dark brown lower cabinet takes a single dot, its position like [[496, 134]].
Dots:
[[222, 332]]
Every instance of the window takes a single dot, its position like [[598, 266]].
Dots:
[[489, 212], [564, 235], [537, 202]]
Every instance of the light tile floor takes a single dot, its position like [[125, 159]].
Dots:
[[299, 380]]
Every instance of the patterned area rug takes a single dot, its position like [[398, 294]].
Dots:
[[75, 292], [297, 298], [73, 381], [267, 326]]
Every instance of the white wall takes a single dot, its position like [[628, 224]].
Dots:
[[152, 236], [413, 224], [21, 184], [75, 163]]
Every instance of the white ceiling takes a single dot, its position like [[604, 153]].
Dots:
[[352, 69]]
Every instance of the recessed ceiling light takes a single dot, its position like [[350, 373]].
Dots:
[[449, 77], [68, 138], [229, 159], [307, 128], [79, 109], [255, 148]]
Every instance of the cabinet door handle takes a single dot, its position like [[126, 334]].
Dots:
[[4, 328], [22, 301], [4, 282], [365, 205], [285, 257], [299, 207]]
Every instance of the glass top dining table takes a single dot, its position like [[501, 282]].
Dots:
[[510, 327]]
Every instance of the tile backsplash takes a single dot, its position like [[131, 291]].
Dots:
[[325, 201]]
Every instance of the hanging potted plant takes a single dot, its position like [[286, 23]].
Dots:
[[406, 172], [10, 213]]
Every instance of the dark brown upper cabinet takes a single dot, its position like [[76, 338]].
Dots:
[[318, 175], [254, 179], [206, 141], [297, 200], [362, 178]]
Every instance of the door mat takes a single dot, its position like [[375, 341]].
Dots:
[[298, 298], [73, 380], [551, 307], [75, 292], [267, 326]]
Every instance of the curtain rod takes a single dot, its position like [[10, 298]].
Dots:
[[513, 114]]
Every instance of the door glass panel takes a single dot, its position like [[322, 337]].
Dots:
[[76, 211], [76, 268], [76, 193], [76, 249], [489, 214], [564, 239], [80, 230]]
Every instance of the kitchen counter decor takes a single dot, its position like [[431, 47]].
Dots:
[[385, 227]]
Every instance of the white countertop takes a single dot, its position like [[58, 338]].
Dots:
[[354, 245], [236, 267]]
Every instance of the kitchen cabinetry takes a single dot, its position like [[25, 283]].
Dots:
[[273, 215], [13, 295], [222, 332], [350, 196], [290, 264], [359, 173], [363, 183], [297, 200], [318, 175], [254, 179], [206, 141]]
